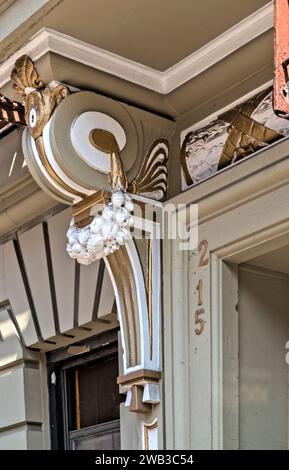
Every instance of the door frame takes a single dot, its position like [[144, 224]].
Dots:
[[58, 362], [224, 299]]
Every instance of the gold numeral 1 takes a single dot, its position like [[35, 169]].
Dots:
[[200, 292]]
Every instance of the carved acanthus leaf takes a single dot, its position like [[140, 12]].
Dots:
[[39, 100], [25, 76]]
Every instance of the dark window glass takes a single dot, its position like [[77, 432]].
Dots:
[[94, 393]]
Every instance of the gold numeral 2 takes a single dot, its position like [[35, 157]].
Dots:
[[203, 250]]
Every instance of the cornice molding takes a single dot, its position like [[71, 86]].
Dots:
[[219, 48], [48, 40]]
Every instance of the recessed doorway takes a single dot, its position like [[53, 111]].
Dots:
[[256, 375]]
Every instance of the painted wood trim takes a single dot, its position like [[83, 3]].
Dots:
[[48, 40], [52, 287], [13, 319], [141, 375], [216, 353], [21, 424], [229, 317], [25, 279], [76, 294], [98, 289], [25, 363]]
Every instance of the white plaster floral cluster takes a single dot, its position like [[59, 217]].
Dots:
[[106, 233]]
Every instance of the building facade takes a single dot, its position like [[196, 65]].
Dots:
[[144, 225]]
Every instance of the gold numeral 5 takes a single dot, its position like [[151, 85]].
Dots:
[[199, 321]]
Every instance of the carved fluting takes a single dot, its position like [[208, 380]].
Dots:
[[106, 233], [151, 180]]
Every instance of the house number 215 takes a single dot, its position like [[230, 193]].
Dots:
[[200, 311]]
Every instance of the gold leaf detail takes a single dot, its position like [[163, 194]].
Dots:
[[25, 76], [151, 180]]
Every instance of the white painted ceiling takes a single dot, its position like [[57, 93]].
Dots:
[[156, 33]]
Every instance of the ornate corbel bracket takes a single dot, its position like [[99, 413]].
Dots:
[[88, 238], [40, 101], [102, 163]]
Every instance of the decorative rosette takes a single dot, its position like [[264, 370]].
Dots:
[[106, 233]]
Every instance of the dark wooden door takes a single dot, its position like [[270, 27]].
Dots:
[[85, 399]]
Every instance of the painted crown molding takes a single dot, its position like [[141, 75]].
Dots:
[[219, 48], [48, 40]]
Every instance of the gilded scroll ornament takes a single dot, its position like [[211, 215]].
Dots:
[[107, 231], [151, 180], [106, 142], [39, 100]]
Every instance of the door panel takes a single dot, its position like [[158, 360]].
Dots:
[[100, 437]]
